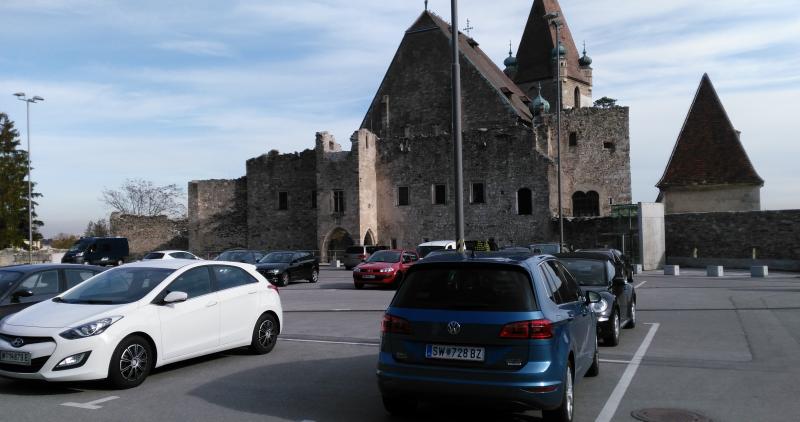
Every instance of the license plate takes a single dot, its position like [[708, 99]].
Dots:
[[368, 276], [440, 351], [15, 358]]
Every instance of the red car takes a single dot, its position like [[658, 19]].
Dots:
[[384, 267]]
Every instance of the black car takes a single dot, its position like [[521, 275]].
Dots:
[[281, 267], [598, 272], [246, 256], [97, 251], [621, 261], [24, 285]]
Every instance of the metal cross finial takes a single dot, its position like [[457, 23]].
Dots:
[[510, 51], [426, 5], [584, 48], [468, 28]]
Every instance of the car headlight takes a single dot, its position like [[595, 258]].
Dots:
[[386, 270], [600, 307], [274, 271], [79, 254], [356, 270], [90, 329]]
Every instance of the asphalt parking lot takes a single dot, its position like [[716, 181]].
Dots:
[[726, 348]]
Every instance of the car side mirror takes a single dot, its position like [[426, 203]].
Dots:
[[592, 297], [20, 293], [175, 297]]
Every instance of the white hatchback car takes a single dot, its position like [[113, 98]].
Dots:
[[169, 254], [124, 322]]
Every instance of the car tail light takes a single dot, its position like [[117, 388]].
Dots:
[[362, 256], [536, 329], [274, 287], [395, 325]]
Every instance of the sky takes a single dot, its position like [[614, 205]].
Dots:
[[190, 89]]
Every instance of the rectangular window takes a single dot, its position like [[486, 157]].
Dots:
[[313, 199], [476, 195], [394, 243], [338, 201], [283, 200], [439, 194], [402, 195]]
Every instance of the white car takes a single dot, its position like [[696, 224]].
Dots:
[[124, 322], [170, 255]]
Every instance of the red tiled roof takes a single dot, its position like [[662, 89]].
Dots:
[[534, 56], [708, 150]]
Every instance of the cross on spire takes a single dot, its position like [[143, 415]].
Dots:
[[510, 50], [426, 5], [468, 28], [584, 48]]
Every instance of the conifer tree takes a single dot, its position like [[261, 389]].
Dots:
[[14, 188]]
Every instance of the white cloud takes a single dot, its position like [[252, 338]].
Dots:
[[197, 47]]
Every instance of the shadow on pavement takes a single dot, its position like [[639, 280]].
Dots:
[[342, 389], [15, 387]]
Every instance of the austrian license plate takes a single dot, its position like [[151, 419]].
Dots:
[[467, 353], [15, 358], [368, 276]]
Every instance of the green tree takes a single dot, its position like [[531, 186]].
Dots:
[[14, 188], [64, 241], [606, 102], [97, 228]]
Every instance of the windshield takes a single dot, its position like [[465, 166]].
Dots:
[[236, 256], [7, 279], [588, 272], [154, 255], [482, 288], [118, 285], [425, 250], [80, 245], [277, 257], [385, 256], [545, 248]]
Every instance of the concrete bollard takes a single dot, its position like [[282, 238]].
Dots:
[[338, 264], [637, 269], [672, 270], [714, 271], [759, 271]]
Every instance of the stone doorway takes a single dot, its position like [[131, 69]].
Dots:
[[369, 239], [335, 244]]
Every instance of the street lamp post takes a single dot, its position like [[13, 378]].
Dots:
[[458, 160], [552, 17], [21, 96]]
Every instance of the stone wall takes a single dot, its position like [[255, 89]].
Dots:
[[699, 239], [712, 199], [147, 234], [268, 226], [217, 215]]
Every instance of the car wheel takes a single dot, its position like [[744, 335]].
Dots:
[[594, 370], [265, 335], [400, 406], [611, 337], [564, 412], [284, 280], [398, 281], [632, 321], [314, 276], [130, 363], [359, 286]]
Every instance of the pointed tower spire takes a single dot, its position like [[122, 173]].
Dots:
[[708, 151]]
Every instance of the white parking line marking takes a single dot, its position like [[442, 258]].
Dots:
[[352, 343], [92, 405], [624, 362], [622, 386], [640, 284]]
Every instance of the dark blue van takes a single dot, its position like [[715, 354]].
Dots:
[[509, 329], [97, 251]]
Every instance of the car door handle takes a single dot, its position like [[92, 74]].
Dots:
[[253, 292], [210, 304]]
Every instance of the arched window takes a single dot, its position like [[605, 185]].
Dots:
[[524, 202], [577, 97], [585, 204]]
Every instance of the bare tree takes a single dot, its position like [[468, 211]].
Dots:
[[143, 197]]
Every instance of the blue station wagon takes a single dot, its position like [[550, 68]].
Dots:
[[504, 329]]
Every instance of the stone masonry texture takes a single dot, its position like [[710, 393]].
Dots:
[[147, 234]]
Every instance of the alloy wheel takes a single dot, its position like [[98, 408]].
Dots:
[[616, 324], [569, 395], [133, 362], [265, 333]]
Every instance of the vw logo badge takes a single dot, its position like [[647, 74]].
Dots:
[[18, 342], [453, 327]]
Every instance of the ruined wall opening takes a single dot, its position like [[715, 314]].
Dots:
[[524, 202], [577, 97], [335, 244], [585, 204]]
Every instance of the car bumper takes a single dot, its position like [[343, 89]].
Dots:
[[526, 388], [374, 278], [46, 355]]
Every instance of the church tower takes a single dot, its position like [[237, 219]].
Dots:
[[537, 56]]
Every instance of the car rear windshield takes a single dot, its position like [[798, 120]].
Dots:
[[480, 288], [154, 255], [588, 272], [354, 249]]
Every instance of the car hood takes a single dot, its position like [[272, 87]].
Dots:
[[374, 266], [49, 314], [272, 266]]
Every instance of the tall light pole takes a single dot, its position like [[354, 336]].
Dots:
[[458, 159], [552, 17], [21, 96]]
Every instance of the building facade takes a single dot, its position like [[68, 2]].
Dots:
[[393, 184]]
